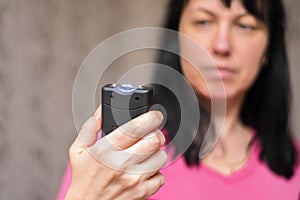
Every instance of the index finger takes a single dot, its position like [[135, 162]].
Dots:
[[132, 131]]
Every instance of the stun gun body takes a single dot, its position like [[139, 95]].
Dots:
[[121, 103]]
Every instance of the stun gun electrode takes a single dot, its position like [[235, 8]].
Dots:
[[121, 103]]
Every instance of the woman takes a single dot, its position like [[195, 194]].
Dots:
[[255, 157]]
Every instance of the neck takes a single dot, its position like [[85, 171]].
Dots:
[[231, 122], [231, 150], [234, 135]]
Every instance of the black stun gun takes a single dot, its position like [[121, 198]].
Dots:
[[121, 103]]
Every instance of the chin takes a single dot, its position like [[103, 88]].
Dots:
[[220, 96], [213, 94]]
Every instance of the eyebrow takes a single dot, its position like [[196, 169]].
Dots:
[[205, 10], [213, 14]]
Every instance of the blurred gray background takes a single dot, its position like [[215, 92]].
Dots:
[[42, 44]]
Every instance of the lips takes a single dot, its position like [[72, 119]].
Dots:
[[225, 70], [221, 72]]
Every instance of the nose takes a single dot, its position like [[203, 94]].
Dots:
[[221, 42]]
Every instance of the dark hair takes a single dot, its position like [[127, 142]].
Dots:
[[267, 104]]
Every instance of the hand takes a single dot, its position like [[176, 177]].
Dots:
[[123, 165]]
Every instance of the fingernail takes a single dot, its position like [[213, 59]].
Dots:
[[160, 135], [150, 135], [157, 115], [163, 139]]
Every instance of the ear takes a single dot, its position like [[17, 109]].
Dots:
[[265, 61]]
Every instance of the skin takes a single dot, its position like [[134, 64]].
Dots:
[[94, 179], [236, 42]]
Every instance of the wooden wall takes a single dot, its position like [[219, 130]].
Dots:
[[42, 44]]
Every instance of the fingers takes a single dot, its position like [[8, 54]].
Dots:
[[154, 183], [127, 145], [89, 131], [144, 189], [149, 165], [148, 144], [132, 159], [130, 148], [132, 131]]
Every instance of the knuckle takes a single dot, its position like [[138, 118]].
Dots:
[[149, 187], [129, 181], [71, 151], [157, 183], [90, 125], [120, 161], [130, 129], [141, 193], [161, 180], [155, 138], [163, 155], [132, 183], [146, 121], [155, 141], [140, 126], [141, 122]]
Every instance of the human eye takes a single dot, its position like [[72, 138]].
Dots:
[[247, 23], [245, 26], [203, 23]]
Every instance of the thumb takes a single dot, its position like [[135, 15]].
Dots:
[[88, 134]]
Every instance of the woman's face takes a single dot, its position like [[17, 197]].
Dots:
[[235, 41]]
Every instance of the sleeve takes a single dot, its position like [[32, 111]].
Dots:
[[65, 183]]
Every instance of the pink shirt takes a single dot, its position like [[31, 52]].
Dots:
[[253, 181]]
